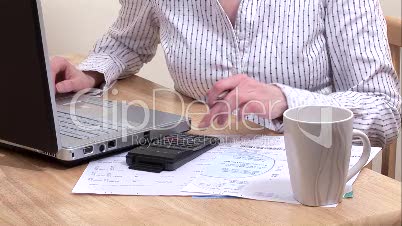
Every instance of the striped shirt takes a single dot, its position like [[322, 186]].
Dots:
[[319, 52]]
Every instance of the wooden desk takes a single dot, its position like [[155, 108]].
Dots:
[[34, 191]]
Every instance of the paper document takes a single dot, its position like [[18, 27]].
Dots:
[[112, 176], [242, 166], [255, 169]]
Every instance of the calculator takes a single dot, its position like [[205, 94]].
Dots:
[[170, 152]]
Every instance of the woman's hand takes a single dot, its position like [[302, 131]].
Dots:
[[67, 78], [246, 95]]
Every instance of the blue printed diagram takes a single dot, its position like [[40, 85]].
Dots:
[[239, 164]]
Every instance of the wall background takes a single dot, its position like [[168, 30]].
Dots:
[[73, 26]]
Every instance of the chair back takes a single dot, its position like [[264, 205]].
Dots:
[[394, 26]]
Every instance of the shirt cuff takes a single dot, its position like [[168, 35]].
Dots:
[[293, 98], [299, 97], [111, 67]]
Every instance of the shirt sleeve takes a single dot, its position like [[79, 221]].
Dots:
[[364, 79], [130, 42]]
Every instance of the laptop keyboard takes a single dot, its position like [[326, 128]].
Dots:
[[83, 128]]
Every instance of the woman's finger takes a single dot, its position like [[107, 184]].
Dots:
[[223, 85], [222, 109]]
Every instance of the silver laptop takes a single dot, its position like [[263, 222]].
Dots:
[[69, 128]]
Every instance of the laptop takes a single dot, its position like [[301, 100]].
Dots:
[[70, 128]]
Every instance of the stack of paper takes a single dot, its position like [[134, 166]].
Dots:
[[242, 166]]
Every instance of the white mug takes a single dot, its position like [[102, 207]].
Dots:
[[318, 143]]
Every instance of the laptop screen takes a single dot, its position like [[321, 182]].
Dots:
[[26, 116]]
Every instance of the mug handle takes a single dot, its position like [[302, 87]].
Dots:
[[365, 155]]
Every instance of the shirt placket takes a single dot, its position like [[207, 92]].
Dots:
[[238, 38]]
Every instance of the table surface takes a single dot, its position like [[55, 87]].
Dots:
[[34, 190]]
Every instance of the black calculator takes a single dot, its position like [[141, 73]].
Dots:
[[170, 152]]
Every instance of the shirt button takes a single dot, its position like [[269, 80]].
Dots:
[[235, 71], [240, 36]]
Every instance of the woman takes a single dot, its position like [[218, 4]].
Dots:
[[270, 55]]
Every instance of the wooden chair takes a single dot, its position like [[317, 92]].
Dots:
[[395, 43]]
